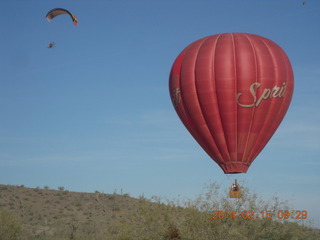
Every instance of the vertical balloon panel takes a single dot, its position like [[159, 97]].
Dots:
[[231, 91]]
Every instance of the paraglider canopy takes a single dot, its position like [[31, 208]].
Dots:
[[59, 11]]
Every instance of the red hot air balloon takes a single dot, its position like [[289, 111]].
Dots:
[[231, 91]]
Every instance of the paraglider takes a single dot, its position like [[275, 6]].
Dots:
[[231, 91], [56, 12], [59, 11]]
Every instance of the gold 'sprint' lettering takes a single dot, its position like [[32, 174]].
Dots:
[[275, 92], [176, 98]]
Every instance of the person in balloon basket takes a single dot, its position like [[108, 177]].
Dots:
[[234, 187]]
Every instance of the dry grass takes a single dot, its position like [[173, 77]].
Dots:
[[34, 213]]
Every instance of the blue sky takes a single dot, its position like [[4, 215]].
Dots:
[[94, 113]]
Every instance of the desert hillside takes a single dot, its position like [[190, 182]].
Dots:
[[34, 213]]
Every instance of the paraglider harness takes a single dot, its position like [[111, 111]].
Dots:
[[51, 45]]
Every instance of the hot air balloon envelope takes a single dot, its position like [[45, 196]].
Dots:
[[231, 91]]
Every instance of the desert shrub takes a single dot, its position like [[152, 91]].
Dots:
[[173, 233], [192, 219]]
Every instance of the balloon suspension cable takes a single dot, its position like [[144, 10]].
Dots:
[[231, 178]]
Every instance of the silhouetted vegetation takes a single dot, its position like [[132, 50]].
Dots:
[[46, 214]]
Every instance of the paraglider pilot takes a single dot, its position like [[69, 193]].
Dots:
[[51, 45]]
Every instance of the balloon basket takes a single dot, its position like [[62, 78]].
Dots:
[[234, 193], [235, 190]]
